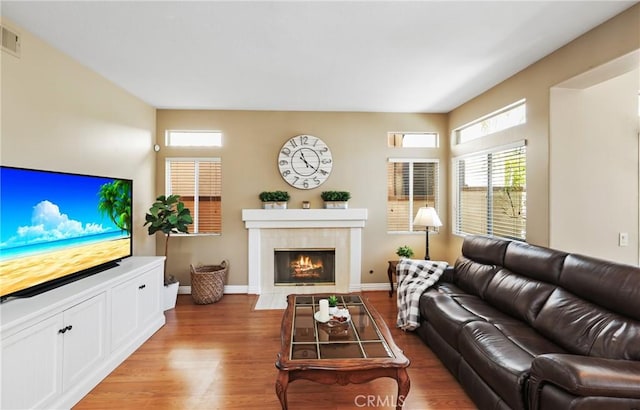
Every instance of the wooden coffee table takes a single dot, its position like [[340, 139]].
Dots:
[[355, 352]]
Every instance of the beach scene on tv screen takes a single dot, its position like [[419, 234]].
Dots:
[[54, 224]]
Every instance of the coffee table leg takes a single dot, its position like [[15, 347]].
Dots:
[[403, 387], [282, 382]]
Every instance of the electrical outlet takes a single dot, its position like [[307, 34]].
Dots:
[[623, 239]]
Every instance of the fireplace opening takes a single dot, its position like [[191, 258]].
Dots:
[[304, 266]]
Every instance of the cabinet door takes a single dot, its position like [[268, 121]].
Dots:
[[84, 340], [32, 365], [149, 286], [124, 316]]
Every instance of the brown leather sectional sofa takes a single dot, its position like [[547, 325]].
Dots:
[[526, 327]]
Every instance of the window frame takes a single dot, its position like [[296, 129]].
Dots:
[[214, 144], [456, 191], [410, 200], [457, 132], [392, 135], [194, 212]]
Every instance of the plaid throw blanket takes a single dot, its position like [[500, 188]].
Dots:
[[414, 277]]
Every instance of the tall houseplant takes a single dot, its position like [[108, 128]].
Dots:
[[168, 215]]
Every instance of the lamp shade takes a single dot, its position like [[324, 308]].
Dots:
[[427, 216]]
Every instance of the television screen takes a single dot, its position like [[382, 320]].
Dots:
[[58, 226]]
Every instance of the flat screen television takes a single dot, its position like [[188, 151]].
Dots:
[[58, 227]]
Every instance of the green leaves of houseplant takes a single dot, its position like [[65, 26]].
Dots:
[[168, 215], [335, 195]]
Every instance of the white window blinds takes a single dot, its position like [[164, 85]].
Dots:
[[491, 193], [199, 184], [411, 183]]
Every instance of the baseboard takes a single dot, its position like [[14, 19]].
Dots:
[[228, 289], [243, 289], [375, 286]]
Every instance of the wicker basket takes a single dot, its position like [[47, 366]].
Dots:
[[207, 282]]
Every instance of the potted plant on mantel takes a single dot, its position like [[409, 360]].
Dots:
[[274, 199], [168, 215], [335, 199]]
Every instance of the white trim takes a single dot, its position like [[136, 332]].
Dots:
[[366, 287], [497, 148], [228, 290]]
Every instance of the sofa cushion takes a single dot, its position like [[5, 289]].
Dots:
[[535, 262], [445, 315], [485, 249], [527, 339], [584, 328], [448, 288], [473, 277], [483, 310], [501, 363], [606, 284], [517, 295]]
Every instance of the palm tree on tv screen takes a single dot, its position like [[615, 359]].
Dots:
[[115, 202]]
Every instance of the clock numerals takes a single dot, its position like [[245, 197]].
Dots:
[[305, 162], [285, 151]]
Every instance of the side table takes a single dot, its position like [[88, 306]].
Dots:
[[391, 271]]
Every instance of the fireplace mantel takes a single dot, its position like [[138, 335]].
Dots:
[[272, 228], [304, 218]]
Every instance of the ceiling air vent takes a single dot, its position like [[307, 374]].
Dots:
[[10, 41]]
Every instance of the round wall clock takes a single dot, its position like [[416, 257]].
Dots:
[[305, 161]]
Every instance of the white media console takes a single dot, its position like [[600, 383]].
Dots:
[[57, 346]]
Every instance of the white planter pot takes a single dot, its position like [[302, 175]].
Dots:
[[274, 205], [336, 205], [170, 294]]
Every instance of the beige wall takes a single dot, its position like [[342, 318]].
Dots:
[[594, 167], [252, 140], [616, 37], [58, 115]]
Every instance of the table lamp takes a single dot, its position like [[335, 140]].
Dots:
[[427, 216]]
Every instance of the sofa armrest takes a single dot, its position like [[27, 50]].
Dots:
[[447, 275], [587, 376]]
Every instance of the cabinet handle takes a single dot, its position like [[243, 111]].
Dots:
[[142, 286], [64, 329]]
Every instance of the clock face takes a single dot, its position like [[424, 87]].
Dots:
[[305, 162]]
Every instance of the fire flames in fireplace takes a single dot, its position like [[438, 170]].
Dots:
[[304, 267]]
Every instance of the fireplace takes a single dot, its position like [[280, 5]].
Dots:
[[304, 266], [270, 229]]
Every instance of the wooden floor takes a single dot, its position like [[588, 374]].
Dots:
[[221, 356]]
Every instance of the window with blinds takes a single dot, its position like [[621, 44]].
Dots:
[[491, 192], [198, 181], [411, 184]]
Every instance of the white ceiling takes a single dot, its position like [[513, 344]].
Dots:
[[380, 56]]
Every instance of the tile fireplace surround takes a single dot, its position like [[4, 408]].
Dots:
[[270, 229]]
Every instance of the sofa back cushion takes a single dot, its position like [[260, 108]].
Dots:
[[471, 276], [534, 262], [582, 327], [517, 295], [529, 276], [612, 285], [484, 249]]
